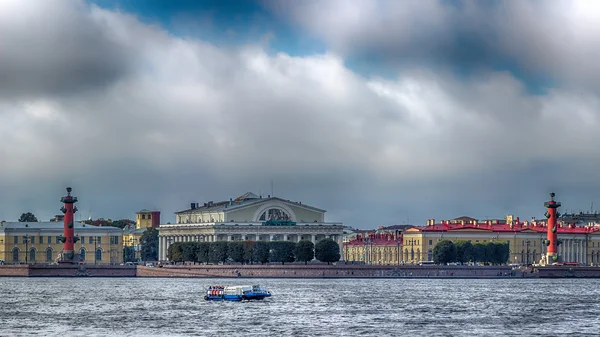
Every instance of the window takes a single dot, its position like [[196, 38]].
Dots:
[[49, 254], [430, 242], [15, 254], [99, 240], [82, 254], [149, 216], [116, 240], [274, 214], [49, 240], [32, 240], [91, 240], [41, 239], [98, 254], [16, 240], [144, 216], [57, 239], [32, 255]]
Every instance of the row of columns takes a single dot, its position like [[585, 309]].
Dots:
[[573, 250], [166, 240]]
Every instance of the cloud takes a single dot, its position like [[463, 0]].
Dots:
[[547, 41], [184, 120]]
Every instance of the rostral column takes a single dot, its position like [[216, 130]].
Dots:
[[552, 241], [68, 237]]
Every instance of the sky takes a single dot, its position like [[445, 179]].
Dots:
[[380, 112]]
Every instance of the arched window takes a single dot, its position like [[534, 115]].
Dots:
[[15, 252], [274, 214], [32, 255], [99, 254], [49, 254], [82, 254]]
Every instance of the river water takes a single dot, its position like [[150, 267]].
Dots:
[[301, 307]]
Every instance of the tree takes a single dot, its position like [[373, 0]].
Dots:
[[149, 245], [464, 251], [235, 250], [28, 217], [444, 252], [304, 251], [175, 252], [327, 250], [122, 223], [128, 254], [188, 250], [218, 252], [260, 252], [480, 252], [202, 252], [248, 250], [281, 251]]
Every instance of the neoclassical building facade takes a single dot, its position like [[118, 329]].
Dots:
[[579, 243], [249, 217], [39, 242]]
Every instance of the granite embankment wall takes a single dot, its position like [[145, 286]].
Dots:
[[566, 272], [325, 271], [40, 270]]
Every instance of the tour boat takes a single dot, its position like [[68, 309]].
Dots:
[[236, 293]]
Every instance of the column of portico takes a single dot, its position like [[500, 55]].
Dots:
[[271, 236], [314, 238], [285, 237], [161, 246]]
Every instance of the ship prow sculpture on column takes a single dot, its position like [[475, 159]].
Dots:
[[68, 238], [552, 241]]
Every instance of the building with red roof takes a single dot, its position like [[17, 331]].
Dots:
[[579, 243]]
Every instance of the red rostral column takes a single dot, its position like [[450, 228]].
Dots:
[[68, 238], [552, 241]]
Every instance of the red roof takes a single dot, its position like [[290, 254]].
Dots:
[[540, 227], [383, 239]]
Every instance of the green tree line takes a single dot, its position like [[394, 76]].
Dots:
[[464, 251], [250, 252]]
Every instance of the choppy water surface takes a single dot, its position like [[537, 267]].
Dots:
[[390, 307]]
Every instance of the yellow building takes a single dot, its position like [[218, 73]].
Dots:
[[374, 248], [579, 244], [39, 242], [144, 219]]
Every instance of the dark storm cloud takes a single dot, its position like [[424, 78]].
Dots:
[[55, 47], [185, 121]]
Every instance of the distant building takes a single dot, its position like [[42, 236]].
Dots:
[[132, 236], [38, 242], [58, 218], [249, 217], [525, 239]]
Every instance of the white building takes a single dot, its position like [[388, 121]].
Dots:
[[249, 217]]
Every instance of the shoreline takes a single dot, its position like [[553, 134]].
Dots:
[[299, 271]]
